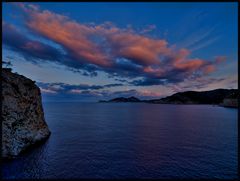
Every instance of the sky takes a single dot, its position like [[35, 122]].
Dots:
[[98, 51]]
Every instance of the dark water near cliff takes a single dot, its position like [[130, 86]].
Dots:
[[99, 140]]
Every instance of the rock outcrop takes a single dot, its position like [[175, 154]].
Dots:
[[23, 122]]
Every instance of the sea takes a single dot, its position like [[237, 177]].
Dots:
[[132, 140]]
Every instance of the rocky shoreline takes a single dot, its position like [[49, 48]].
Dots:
[[23, 122]]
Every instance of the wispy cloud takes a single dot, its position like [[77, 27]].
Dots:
[[95, 91], [203, 44], [59, 87], [204, 84], [193, 33]]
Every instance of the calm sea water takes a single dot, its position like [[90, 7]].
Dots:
[[127, 140]]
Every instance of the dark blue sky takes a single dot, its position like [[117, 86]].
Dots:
[[147, 50]]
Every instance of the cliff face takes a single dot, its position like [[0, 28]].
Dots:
[[23, 122]]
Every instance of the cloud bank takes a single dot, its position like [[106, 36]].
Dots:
[[89, 48], [94, 91]]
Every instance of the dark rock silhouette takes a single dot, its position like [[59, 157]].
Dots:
[[193, 97], [123, 99], [23, 123], [222, 97], [231, 100]]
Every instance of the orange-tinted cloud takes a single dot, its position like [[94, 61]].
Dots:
[[71, 35], [114, 50], [209, 69], [147, 93], [191, 65], [13, 38], [220, 59], [142, 50]]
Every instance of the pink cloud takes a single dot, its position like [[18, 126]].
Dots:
[[181, 55], [75, 91], [220, 59], [76, 38], [209, 68], [192, 64], [147, 93], [140, 49], [71, 35], [101, 45], [48, 91]]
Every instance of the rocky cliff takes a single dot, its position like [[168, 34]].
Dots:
[[23, 122]]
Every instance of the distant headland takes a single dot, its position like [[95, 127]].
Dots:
[[222, 97]]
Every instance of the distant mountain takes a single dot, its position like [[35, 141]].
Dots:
[[231, 100], [193, 97], [216, 97], [234, 95], [123, 99]]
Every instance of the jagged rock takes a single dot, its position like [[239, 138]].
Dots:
[[23, 122]]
